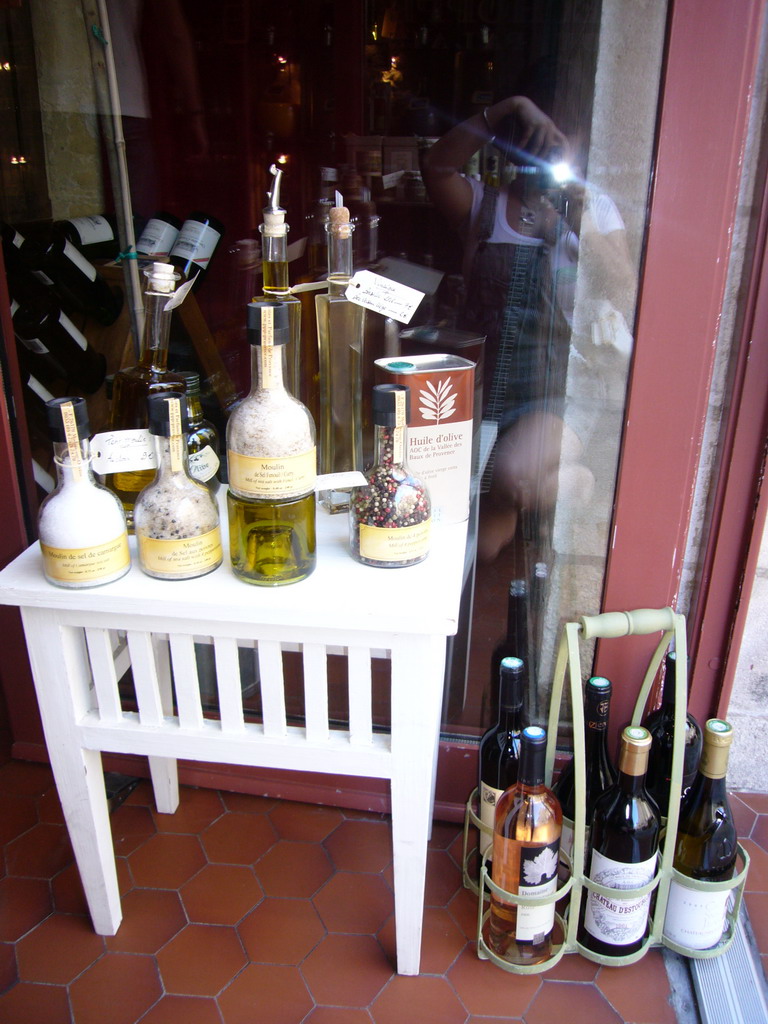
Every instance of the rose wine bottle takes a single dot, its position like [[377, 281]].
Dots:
[[526, 845]]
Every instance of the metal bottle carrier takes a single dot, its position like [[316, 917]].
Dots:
[[604, 626]]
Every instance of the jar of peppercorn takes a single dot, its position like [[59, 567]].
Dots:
[[390, 517]]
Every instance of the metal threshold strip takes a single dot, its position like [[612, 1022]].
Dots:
[[730, 989]]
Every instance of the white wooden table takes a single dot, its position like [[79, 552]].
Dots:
[[80, 643]]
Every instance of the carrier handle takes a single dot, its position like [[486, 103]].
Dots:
[[614, 624]]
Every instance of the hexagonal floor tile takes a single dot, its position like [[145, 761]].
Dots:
[[150, 918], [17, 814], [238, 838], [119, 988], [67, 888], [443, 879], [131, 826], [24, 902], [281, 931], [309, 823], [335, 1015], [423, 999], [361, 846], [35, 1004], [198, 808], [488, 991], [620, 986], [186, 1009], [441, 941], [347, 970], [166, 861], [59, 948], [265, 992], [41, 852], [293, 869], [354, 902], [201, 960], [221, 894], [586, 1005]]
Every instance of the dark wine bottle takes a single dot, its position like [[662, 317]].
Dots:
[[622, 854], [600, 773], [515, 643], [43, 327], [706, 847], [158, 236], [97, 236], [526, 844], [56, 261], [202, 437], [500, 746], [195, 245], [661, 725]]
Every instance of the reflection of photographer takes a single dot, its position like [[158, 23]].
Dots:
[[522, 240]]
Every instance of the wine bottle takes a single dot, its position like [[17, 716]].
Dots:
[[57, 262], [705, 848], [499, 756], [131, 388], [158, 236], [600, 773], [202, 436], [622, 854], [195, 245], [96, 237], [515, 643], [661, 725], [526, 844]]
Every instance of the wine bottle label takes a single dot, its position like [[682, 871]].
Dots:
[[93, 229], [489, 797], [529, 869], [34, 345], [171, 557], [77, 336], [72, 254], [203, 465], [196, 242], [157, 239], [399, 545], [80, 565], [285, 476], [618, 922], [123, 451], [695, 918]]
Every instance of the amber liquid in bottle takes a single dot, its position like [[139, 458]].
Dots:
[[134, 385]]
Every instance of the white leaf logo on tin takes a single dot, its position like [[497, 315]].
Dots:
[[438, 403]]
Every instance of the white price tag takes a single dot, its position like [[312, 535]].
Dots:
[[382, 295], [122, 451]]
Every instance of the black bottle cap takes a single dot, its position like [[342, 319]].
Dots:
[[385, 407], [258, 313], [56, 423], [533, 748], [191, 381], [159, 415]]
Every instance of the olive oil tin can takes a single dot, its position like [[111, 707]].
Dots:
[[440, 431]]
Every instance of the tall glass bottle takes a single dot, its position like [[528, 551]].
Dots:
[[340, 332], [81, 527], [515, 643], [271, 460], [391, 516], [202, 436], [706, 847], [133, 386], [274, 265], [661, 725], [526, 845], [499, 755], [176, 519], [600, 773], [622, 854]]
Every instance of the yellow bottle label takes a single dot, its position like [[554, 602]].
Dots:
[[73, 565], [285, 476], [399, 545], [185, 555]]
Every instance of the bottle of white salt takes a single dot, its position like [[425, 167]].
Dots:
[[176, 519], [81, 525]]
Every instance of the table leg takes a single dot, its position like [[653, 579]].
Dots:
[[62, 678], [418, 665]]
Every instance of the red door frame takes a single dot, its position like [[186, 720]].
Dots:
[[710, 65]]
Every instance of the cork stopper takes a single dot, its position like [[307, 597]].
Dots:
[[339, 219], [162, 277]]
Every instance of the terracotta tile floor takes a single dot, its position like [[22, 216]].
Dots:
[[243, 909]]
